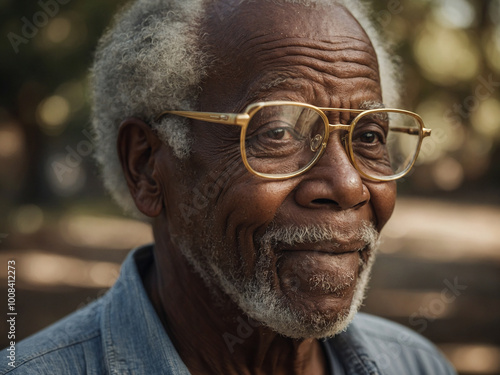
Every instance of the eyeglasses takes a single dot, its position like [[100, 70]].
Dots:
[[281, 139]]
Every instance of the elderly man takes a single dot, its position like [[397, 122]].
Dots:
[[253, 136]]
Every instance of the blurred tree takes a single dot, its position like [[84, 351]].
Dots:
[[46, 45], [449, 48]]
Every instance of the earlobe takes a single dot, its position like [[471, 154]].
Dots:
[[137, 150]]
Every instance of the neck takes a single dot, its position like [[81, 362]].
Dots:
[[212, 335]]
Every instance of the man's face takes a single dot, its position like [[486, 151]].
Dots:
[[294, 254]]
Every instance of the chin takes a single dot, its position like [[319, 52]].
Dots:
[[282, 313]]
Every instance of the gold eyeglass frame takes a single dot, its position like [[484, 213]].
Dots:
[[243, 119]]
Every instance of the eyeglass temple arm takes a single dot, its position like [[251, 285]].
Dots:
[[425, 132], [219, 118]]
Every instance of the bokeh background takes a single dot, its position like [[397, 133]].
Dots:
[[439, 268]]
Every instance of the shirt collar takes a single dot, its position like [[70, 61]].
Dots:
[[351, 349], [134, 339]]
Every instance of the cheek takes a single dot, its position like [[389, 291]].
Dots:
[[383, 199], [244, 210], [250, 203]]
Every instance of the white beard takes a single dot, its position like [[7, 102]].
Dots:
[[259, 299]]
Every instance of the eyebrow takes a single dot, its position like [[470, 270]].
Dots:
[[370, 104], [264, 88]]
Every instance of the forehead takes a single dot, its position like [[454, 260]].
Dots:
[[253, 17], [262, 44]]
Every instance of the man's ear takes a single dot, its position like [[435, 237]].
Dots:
[[138, 148]]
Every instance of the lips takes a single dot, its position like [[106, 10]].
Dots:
[[334, 248]]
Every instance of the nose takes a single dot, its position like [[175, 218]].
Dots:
[[333, 182]]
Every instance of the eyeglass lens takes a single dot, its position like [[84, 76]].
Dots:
[[385, 144], [283, 139]]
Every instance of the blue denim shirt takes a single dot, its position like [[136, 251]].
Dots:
[[121, 334]]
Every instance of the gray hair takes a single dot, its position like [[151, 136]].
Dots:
[[152, 59]]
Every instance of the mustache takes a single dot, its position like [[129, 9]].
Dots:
[[315, 233]]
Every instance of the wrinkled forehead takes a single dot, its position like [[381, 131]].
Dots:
[[236, 22], [259, 44]]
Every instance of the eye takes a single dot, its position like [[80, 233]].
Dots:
[[369, 134], [276, 131], [369, 137], [278, 134]]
